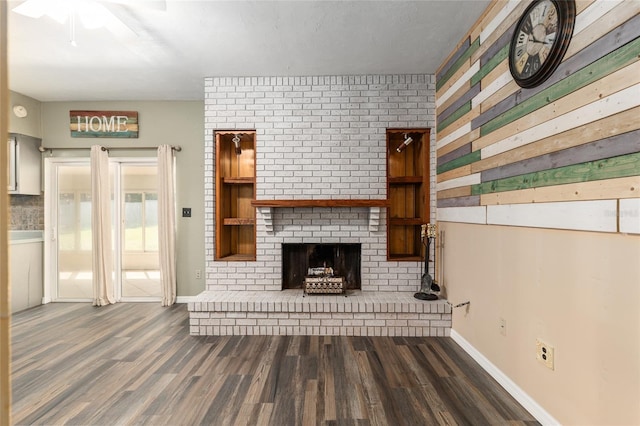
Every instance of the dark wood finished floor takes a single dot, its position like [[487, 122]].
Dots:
[[136, 364]]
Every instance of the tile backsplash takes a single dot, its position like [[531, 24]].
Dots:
[[26, 212]]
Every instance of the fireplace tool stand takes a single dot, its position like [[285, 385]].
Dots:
[[428, 285]]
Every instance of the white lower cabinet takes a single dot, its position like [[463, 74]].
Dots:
[[25, 284]]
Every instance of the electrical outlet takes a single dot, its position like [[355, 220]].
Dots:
[[502, 325], [198, 274], [544, 354], [186, 212]]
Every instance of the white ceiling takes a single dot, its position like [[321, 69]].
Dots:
[[169, 46]]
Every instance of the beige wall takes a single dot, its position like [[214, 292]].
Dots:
[[175, 123], [540, 219], [577, 291], [30, 125]]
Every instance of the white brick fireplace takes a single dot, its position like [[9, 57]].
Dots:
[[317, 138]]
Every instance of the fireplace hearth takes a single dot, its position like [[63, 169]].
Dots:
[[335, 261]]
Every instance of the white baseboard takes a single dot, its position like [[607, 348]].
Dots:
[[185, 299], [514, 390]]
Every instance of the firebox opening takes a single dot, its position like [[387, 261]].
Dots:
[[339, 260]]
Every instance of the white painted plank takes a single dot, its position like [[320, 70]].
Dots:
[[476, 214], [464, 78], [597, 215], [458, 182], [495, 22], [592, 13], [630, 215], [492, 88], [613, 104], [453, 136]]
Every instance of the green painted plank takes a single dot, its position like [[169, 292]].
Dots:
[[490, 65], [609, 168], [456, 66], [465, 108], [614, 61], [472, 157]]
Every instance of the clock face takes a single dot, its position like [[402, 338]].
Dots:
[[20, 111], [540, 40], [536, 36]]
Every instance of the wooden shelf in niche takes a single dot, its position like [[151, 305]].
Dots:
[[408, 192], [235, 192], [406, 221], [240, 258], [239, 180], [406, 180], [236, 221]]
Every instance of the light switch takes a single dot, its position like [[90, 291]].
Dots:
[[186, 212]]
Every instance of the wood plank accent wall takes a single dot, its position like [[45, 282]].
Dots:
[[561, 155]]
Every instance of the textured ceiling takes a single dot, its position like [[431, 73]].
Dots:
[[166, 48]]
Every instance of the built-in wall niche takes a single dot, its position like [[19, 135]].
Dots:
[[235, 190], [408, 192], [343, 260]]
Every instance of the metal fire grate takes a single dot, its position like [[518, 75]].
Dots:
[[324, 285]]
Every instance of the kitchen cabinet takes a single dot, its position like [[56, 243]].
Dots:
[[25, 263], [25, 165], [408, 192], [235, 191]]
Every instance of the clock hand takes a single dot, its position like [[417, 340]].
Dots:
[[535, 40]]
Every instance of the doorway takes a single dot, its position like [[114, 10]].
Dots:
[[134, 218]]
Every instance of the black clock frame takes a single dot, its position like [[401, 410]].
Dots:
[[566, 21]]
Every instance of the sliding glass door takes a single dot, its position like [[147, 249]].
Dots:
[[73, 226], [134, 214], [140, 272]]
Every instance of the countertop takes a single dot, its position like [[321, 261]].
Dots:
[[24, 237]]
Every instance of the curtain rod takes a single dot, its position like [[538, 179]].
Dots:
[[177, 148]]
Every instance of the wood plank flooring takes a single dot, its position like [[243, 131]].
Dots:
[[137, 364]]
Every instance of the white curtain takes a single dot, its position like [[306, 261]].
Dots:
[[167, 224], [102, 260]]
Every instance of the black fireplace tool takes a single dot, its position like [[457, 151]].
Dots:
[[428, 285]]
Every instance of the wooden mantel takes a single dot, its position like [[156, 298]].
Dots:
[[374, 205], [320, 203]]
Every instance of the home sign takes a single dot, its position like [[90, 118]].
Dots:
[[103, 124]]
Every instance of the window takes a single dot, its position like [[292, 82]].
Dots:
[[140, 221], [74, 221]]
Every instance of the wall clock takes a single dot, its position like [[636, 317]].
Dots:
[[540, 40], [20, 111]]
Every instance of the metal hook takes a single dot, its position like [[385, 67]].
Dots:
[[236, 142]]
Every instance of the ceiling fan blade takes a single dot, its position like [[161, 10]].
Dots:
[[160, 5], [32, 8], [38, 8]]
